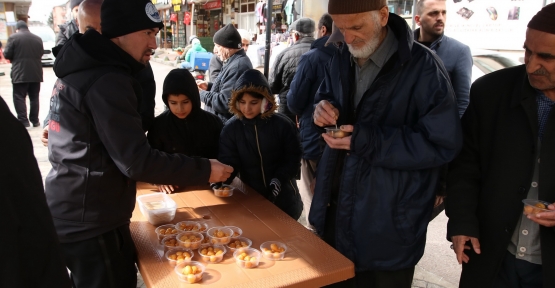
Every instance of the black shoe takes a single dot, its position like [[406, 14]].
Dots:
[[26, 124], [36, 124]]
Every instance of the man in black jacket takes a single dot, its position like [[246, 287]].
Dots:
[[70, 27], [508, 128], [24, 49], [302, 34], [98, 148]]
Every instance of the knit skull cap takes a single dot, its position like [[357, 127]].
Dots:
[[228, 37], [544, 20], [354, 6], [74, 3], [21, 24], [303, 25], [122, 17]]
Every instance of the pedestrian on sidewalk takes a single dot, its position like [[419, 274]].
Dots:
[[216, 94], [215, 62], [184, 128], [24, 49], [375, 188], [300, 100], [263, 147], [508, 128], [98, 149], [196, 47]]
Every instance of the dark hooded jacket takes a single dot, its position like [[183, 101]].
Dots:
[[198, 134], [405, 127], [24, 49], [216, 98], [300, 98], [284, 70], [264, 147], [97, 147]]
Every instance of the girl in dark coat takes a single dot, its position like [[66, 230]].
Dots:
[[184, 128], [262, 146]]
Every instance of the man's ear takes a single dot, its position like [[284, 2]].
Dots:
[[384, 15], [325, 30], [417, 19]]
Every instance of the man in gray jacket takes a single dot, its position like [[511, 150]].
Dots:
[[24, 49]]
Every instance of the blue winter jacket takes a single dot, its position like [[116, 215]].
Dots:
[[300, 98], [406, 126]]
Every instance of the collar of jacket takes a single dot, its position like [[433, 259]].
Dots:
[[397, 25], [307, 39], [525, 91], [435, 45], [237, 54]]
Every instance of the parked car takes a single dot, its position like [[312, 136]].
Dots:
[[487, 61], [48, 42]]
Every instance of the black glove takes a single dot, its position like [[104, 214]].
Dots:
[[274, 189]]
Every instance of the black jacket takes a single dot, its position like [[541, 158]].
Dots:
[[97, 146], [263, 148], [145, 77], [26, 221], [195, 136], [284, 70], [494, 171], [216, 98], [300, 98], [24, 49], [405, 127], [66, 31]]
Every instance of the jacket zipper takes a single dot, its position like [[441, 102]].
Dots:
[[260, 154]]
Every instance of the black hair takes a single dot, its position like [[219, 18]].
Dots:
[[326, 21]]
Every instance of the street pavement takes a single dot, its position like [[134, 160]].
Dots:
[[437, 268]]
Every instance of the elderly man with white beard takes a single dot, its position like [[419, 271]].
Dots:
[[376, 181]]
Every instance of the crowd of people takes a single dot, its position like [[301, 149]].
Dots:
[[416, 134]]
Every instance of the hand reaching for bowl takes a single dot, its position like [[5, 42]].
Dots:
[[168, 189], [546, 219], [325, 114], [219, 172]]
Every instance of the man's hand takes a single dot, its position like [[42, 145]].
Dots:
[[219, 172], [339, 143], [459, 246], [168, 189], [44, 137], [202, 85], [439, 200], [325, 114], [546, 219]]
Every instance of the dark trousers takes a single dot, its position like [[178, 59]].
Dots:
[[104, 261], [379, 279], [20, 91], [518, 274]]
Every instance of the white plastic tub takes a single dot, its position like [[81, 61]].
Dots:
[[158, 208]]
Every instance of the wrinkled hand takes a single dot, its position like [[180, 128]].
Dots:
[[168, 189], [339, 143], [202, 85], [274, 189], [44, 137], [459, 245], [219, 172], [325, 114], [546, 219], [439, 200]]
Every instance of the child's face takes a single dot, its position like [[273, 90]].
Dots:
[[250, 106], [180, 105]]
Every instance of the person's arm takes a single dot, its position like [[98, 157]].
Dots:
[[119, 128], [61, 38], [228, 152], [276, 76], [291, 162], [9, 50], [215, 68], [188, 55], [218, 100], [461, 78], [298, 97], [434, 140]]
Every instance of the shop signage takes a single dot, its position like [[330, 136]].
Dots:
[[187, 18], [213, 5], [176, 8]]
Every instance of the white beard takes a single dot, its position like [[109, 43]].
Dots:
[[365, 51]]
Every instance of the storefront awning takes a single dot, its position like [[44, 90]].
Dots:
[[213, 5]]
